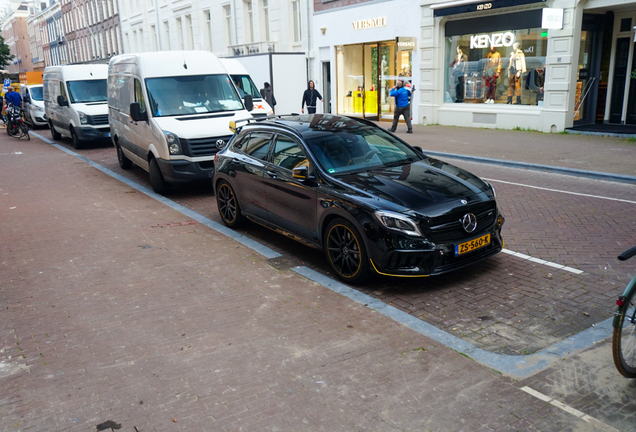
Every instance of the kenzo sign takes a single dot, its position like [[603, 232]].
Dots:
[[492, 40]]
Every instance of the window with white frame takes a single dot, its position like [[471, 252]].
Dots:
[[141, 45], [208, 29], [188, 30], [166, 35], [266, 19], [227, 13], [153, 36], [249, 20], [179, 34], [296, 20]]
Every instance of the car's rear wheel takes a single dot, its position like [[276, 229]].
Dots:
[[159, 184], [124, 162], [228, 205], [346, 252]]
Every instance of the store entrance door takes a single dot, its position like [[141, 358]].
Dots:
[[370, 80], [630, 114], [587, 85]]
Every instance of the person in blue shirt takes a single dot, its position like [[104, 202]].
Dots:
[[402, 97], [13, 97]]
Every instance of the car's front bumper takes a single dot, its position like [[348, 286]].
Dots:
[[91, 133], [183, 171], [395, 254]]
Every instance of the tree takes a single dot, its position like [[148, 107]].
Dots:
[[5, 53]]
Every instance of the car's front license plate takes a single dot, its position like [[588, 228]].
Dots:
[[462, 248]]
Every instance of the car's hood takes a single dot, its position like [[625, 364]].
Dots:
[[427, 187], [92, 108], [201, 126]]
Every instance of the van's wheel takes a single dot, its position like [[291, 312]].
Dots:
[[124, 162], [346, 252], [77, 144], [159, 184], [54, 134]]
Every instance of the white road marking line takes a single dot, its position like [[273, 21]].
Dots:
[[561, 191], [544, 262], [599, 424]]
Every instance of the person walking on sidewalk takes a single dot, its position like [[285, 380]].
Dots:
[[309, 98], [402, 97], [268, 95]]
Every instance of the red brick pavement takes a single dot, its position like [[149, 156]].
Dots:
[[111, 312]]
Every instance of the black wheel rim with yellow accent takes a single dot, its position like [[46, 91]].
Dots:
[[344, 252], [227, 203]]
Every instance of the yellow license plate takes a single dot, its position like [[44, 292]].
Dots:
[[477, 243]]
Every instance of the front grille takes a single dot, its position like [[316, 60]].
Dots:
[[203, 146], [98, 120], [403, 260], [453, 230]]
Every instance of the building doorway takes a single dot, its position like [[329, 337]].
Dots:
[[622, 109], [326, 86]]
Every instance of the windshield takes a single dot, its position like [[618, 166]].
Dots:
[[194, 94], [87, 91], [361, 149], [245, 85], [36, 93]]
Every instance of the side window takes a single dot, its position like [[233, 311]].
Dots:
[[139, 96], [288, 154], [257, 145], [63, 90]]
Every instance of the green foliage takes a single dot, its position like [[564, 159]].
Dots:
[[5, 53]]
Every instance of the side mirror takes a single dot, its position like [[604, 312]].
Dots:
[[61, 101], [26, 99], [419, 149], [301, 172], [136, 114], [249, 103]]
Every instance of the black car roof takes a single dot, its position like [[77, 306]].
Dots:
[[304, 124]]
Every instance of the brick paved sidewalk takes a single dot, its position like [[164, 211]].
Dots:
[[115, 307], [581, 152]]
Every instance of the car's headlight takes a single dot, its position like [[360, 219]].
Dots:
[[83, 117], [270, 113], [398, 222], [174, 145]]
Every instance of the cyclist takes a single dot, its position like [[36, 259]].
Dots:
[[13, 97]]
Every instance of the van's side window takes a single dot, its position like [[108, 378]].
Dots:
[[139, 96], [63, 90]]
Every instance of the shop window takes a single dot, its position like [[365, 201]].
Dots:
[[495, 64], [626, 25]]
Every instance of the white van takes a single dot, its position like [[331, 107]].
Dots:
[[33, 102], [170, 113], [245, 85], [75, 102]]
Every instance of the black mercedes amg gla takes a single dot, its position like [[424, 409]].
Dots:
[[369, 200]]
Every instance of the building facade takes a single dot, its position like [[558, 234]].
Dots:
[[227, 28], [92, 29], [363, 48], [16, 36]]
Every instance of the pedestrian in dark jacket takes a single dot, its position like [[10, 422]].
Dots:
[[309, 98], [268, 95], [402, 97]]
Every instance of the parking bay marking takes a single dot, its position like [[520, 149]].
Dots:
[[544, 262], [561, 191]]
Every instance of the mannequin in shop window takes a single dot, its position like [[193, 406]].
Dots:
[[458, 72], [516, 68], [491, 74]]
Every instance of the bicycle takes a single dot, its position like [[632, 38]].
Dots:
[[16, 126], [624, 338]]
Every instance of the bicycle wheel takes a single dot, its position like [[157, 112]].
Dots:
[[624, 339], [24, 129]]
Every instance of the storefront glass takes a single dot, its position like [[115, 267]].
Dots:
[[365, 75], [495, 65]]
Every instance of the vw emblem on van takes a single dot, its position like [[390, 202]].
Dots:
[[220, 144], [469, 222]]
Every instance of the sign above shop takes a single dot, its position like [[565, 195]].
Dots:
[[494, 40], [405, 43], [369, 23], [552, 18], [464, 6]]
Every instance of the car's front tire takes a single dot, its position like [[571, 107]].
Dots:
[[159, 184], [228, 205], [346, 252]]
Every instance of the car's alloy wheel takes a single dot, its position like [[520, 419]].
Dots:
[[346, 252], [228, 205]]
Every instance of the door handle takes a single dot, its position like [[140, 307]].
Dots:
[[271, 174]]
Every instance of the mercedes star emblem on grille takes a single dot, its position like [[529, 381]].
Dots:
[[469, 222]]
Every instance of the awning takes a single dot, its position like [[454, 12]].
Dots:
[[464, 6]]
